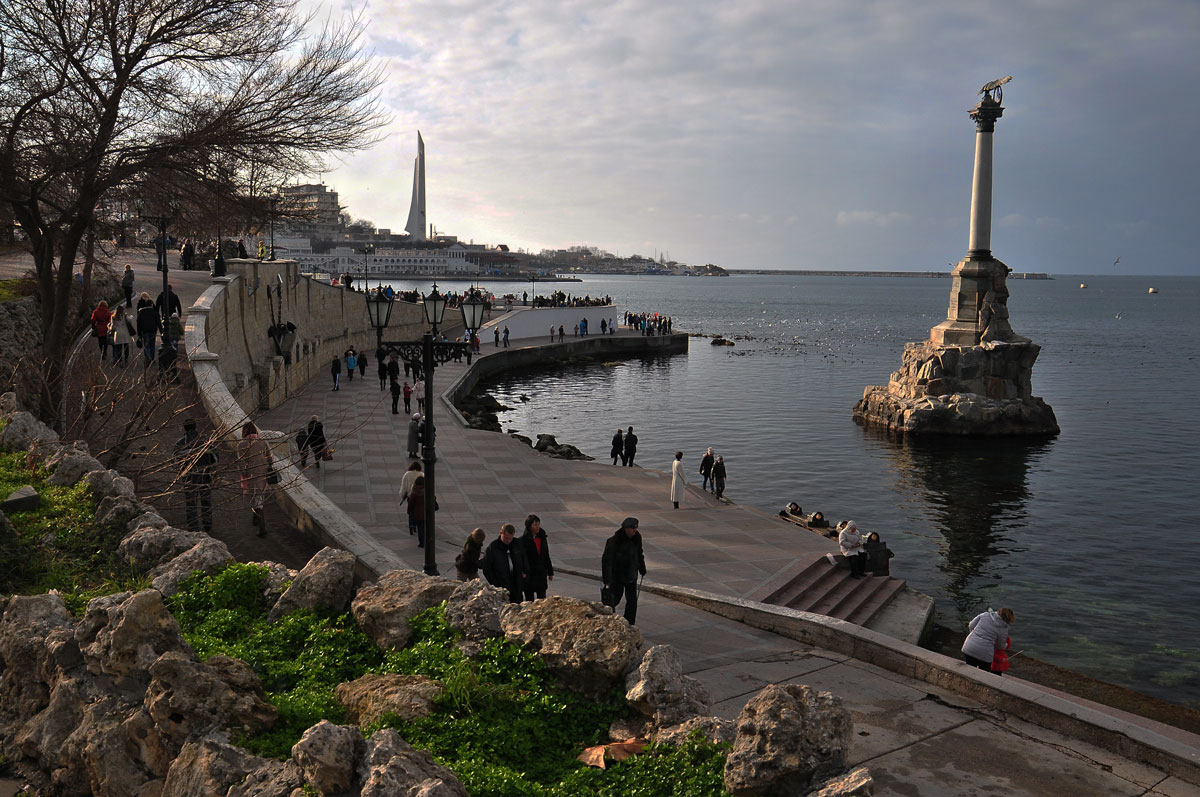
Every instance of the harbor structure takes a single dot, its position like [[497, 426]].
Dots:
[[974, 375]]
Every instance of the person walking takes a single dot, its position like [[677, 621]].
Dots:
[[382, 367], [408, 392], [678, 479], [416, 510], [506, 336], [504, 564], [406, 484], [631, 442], [618, 447], [197, 461], [419, 394], [623, 561], [989, 636], [335, 370], [254, 456], [101, 318], [351, 363], [123, 334], [414, 434], [466, 564], [562, 333], [149, 325], [396, 393], [171, 300], [537, 554], [718, 477], [127, 279], [706, 466], [393, 369], [850, 540], [314, 442], [362, 366]]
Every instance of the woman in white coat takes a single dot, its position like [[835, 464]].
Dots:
[[678, 480]]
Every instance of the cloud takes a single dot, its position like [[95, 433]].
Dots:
[[852, 218], [572, 117]]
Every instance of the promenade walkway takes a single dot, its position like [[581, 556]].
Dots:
[[916, 738]]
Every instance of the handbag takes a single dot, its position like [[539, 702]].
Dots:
[[273, 476], [608, 595], [326, 455]]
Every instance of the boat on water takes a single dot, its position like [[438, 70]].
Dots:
[[1083, 285], [1153, 290]]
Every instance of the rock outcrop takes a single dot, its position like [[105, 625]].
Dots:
[[660, 691], [370, 697], [547, 444], [586, 647], [960, 390], [474, 609], [326, 582], [788, 738]]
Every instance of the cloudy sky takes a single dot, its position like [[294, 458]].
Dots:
[[801, 134]]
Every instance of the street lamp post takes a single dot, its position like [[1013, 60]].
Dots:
[[431, 353], [273, 199], [379, 309], [162, 263]]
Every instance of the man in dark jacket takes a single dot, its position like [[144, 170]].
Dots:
[[172, 299], [504, 563], [630, 447], [706, 469], [622, 563], [198, 459]]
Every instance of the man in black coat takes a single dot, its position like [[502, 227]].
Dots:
[[504, 564], [630, 447], [622, 563]]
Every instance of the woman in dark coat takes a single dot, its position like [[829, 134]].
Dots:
[[537, 553], [314, 440], [618, 447], [148, 325], [467, 563], [416, 510], [504, 563], [335, 370]]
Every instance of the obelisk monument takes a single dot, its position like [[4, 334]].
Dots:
[[974, 375]]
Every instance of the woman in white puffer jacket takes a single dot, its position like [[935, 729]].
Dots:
[[989, 633]]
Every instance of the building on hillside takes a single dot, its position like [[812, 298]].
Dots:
[[310, 210], [448, 261]]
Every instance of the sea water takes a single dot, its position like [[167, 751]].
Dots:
[[1092, 537]]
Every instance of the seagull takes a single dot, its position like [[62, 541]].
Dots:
[[1120, 314], [1118, 260]]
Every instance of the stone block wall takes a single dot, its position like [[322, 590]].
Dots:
[[233, 320]]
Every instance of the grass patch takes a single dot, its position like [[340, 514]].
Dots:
[[58, 545], [503, 725], [13, 289]]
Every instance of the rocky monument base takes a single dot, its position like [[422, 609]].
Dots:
[[983, 390]]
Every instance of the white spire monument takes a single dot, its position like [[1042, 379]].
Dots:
[[416, 211]]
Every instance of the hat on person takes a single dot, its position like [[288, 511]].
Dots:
[[629, 523]]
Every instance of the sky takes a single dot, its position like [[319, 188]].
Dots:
[[764, 134]]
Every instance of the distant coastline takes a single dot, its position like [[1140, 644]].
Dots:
[[1016, 275]]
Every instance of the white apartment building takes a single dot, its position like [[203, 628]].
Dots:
[[389, 262]]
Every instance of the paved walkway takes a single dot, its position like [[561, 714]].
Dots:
[[917, 739]]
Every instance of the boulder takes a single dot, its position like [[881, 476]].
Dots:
[[212, 766], [474, 609], [147, 518], [713, 729], [326, 754], [122, 634], [22, 499], [635, 726], [27, 662], [70, 463], [788, 737], [858, 783], [188, 699], [116, 511], [108, 482], [392, 767], [207, 556], [22, 431], [326, 582], [658, 689], [587, 648], [279, 578], [9, 404], [104, 745], [383, 610], [368, 698], [148, 545]]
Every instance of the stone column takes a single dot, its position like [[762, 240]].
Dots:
[[985, 115]]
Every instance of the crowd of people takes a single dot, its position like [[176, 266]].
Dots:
[[650, 323], [560, 299], [116, 329]]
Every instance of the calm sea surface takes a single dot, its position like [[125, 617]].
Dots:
[[1093, 537]]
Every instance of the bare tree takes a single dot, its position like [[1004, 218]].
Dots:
[[102, 100]]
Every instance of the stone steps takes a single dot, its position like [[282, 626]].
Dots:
[[823, 588]]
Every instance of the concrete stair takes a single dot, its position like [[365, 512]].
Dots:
[[822, 588]]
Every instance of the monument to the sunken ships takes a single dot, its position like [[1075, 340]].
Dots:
[[974, 374]]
